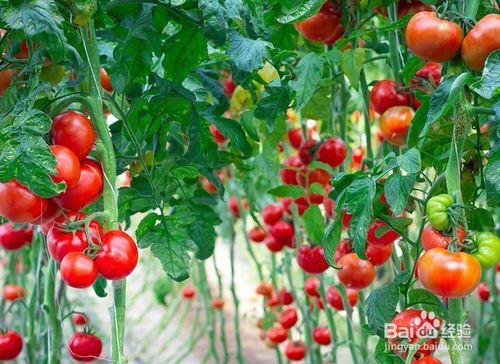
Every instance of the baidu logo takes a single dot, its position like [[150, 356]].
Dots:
[[426, 326]]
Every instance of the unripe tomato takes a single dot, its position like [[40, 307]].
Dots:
[[218, 303], [264, 289], [272, 213], [5, 80], [13, 237], [431, 38], [427, 360], [11, 344], [283, 232], [289, 175], [277, 334], [79, 319], [378, 255], [386, 94], [435, 209], [355, 273], [74, 131], [448, 274], [257, 234], [78, 270], [84, 347], [311, 259], [311, 285], [488, 249], [380, 235], [295, 351], [105, 80], [395, 123], [344, 247], [324, 26], [118, 255], [321, 336], [67, 166], [482, 39], [12, 292], [52, 73], [332, 152], [288, 318], [188, 292], [483, 291], [432, 238], [273, 244], [18, 204], [307, 150], [217, 135], [334, 297]]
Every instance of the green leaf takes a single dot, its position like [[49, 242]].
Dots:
[[428, 300], [247, 54], [351, 62], [381, 307], [309, 73], [492, 178], [411, 67], [489, 86], [215, 20], [410, 161], [305, 9], [274, 102], [232, 130], [313, 222], [318, 105], [397, 189], [287, 191], [202, 230], [100, 286], [417, 124], [384, 355], [481, 220]]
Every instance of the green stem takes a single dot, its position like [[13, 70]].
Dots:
[[362, 323], [222, 319], [471, 8], [394, 44], [329, 317], [49, 307], [366, 114], [236, 302], [209, 312], [350, 332]]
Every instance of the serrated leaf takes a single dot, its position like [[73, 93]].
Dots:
[[351, 62], [397, 189], [305, 9], [488, 86], [274, 103], [381, 306], [309, 73], [247, 54], [313, 222], [232, 130], [215, 20], [410, 161], [481, 220], [287, 191], [428, 300], [411, 67]]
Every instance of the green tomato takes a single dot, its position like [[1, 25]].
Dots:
[[488, 249], [52, 73], [436, 211]]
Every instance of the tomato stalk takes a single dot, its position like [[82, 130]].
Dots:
[[49, 307], [471, 8], [329, 317], [236, 302], [394, 43], [350, 331], [37, 258], [366, 114], [222, 319]]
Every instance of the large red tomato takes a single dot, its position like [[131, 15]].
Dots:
[[18, 204], [311, 285], [13, 238], [295, 350], [273, 244], [482, 39], [321, 336], [379, 234], [84, 347], [355, 273], [334, 297], [432, 238], [78, 270], [51, 212], [283, 231], [427, 360], [332, 152], [449, 274], [11, 344], [395, 123], [277, 334], [307, 150], [67, 166], [118, 255], [386, 94], [5, 80], [74, 131], [378, 255], [431, 38], [311, 259], [87, 190]]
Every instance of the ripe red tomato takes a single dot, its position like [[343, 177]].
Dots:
[[218, 303], [87, 190], [78, 270], [105, 80], [379, 234], [344, 247], [12, 292], [432, 238], [295, 350], [49, 215], [427, 360], [346, 219], [288, 318], [73, 130], [217, 135], [378, 255], [431, 72], [79, 319], [18, 204], [11, 344], [67, 166], [311, 285], [15, 237], [449, 274], [5, 80], [277, 334], [332, 152], [329, 205], [229, 86], [323, 26], [280, 298], [482, 39], [431, 38], [257, 234], [188, 292], [272, 213], [334, 298], [355, 273], [84, 347], [311, 259], [234, 206], [483, 291], [283, 232], [273, 244], [357, 154], [295, 137], [306, 177], [321, 336], [118, 255], [307, 150], [289, 175], [395, 123], [386, 94], [264, 289]]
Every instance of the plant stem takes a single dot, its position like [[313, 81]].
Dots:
[[471, 8], [329, 317], [350, 332], [394, 44], [366, 114], [210, 323], [49, 307], [236, 302], [222, 319]]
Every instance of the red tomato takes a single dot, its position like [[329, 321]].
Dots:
[[67, 166], [257, 234], [386, 94], [273, 244], [307, 150], [482, 39], [355, 273], [432, 238], [272, 213], [288, 318], [332, 152], [87, 190], [11, 344], [395, 123], [78, 270], [295, 350], [323, 26], [431, 72], [217, 135], [280, 298], [302, 205], [264, 289], [5, 80], [334, 298], [283, 232], [277, 334], [321, 336], [289, 175], [105, 80], [483, 291], [229, 86], [427, 360], [306, 177], [343, 248], [413, 7], [378, 255], [379, 234], [346, 219], [234, 206], [79, 319], [15, 237], [50, 214], [357, 154], [311, 285], [12, 292], [188, 292], [74, 131], [207, 185], [311, 259], [218, 303], [84, 347], [118, 255], [295, 137], [431, 38], [18, 204], [329, 205], [449, 274]]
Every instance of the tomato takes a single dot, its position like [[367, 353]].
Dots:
[[105, 80], [436, 211], [395, 123], [78, 270], [329, 205], [448, 274], [427, 360], [49, 215], [488, 249], [273, 244], [311, 259], [343, 248], [52, 73], [229, 86], [73, 130], [67, 166], [272, 213], [217, 135], [306, 177], [234, 207], [288, 318], [355, 273], [295, 137], [482, 39], [5, 80], [321, 336], [483, 292], [295, 350], [84, 347], [257, 234], [188, 292], [357, 154], [413, 7], [19, 204], [289, 175], [283, 232], [332, 152], [432, 238], [264, 289], [280, 298], [307, 150], [324, 26], [431, 38], [346, 219], [311, 285], [431, 72], [218, 303], [61, 242], [79, 319], [11, 344], [12, 292], [380, 235], [207, 185], [386, 94], [334, 298], [404, 328], [302, 205], [15, 237], [87, 190], [378, 255], [118, 255], [277, 334]]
